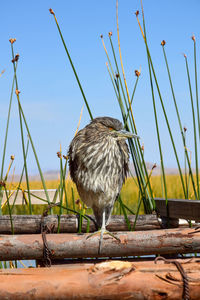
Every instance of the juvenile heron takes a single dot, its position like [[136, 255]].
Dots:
[[98, 164]]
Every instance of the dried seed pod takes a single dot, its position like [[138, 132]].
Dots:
[[15, 59], [137, 13], [137, 73], [2, 183], [154, 166], [12, 41], [17, 92], [51, 11], [193, 38], [101, 36], [77, 201], [12, 157], [163, 43], [110, 33], [59, 154]]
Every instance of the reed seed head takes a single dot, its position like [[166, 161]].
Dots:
[[101, 36], [193, 38], [51, 11], [17, 92], [12, 157], [137, 13], [142, 147], [59, 154], [65, 157], [110, 33], [163, 43], [77, 201], [184, 55], [12, 41], [154, 166], [16, 58], [2, 183], [137, 73], [185, 129], [117, 75]]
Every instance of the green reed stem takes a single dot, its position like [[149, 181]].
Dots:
[[163, 108], [9, 209], [154, 107], [128, 111], [20, 181], [196, 86], [34, 151], [73, 200], [116, 64], [64, 185], [180, 125], [7, 125], [135, 158], [5, 140], [140, 159], [194, 128], [22, 134], [124, 213], [73, 68], [137, 212], [158, 134], [61, 192]]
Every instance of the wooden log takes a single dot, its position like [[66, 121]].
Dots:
[[107, 280], [27, 224], [178, 208], [138, 243]]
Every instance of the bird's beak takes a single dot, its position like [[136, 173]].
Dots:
[[127, 134]]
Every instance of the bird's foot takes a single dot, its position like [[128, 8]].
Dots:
[[102, 231]]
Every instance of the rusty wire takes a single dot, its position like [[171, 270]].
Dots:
[[44, 230], [196, 230], [49, 229], [186, 291]]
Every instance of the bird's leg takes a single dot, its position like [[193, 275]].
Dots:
[[103, 231]]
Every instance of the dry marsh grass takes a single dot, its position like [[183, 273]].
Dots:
[[129, 192]]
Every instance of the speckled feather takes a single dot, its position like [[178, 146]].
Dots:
[[98, 164]]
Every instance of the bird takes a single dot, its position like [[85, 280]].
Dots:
[[99, 164]]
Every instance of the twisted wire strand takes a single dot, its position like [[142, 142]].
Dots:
[[186, 291]]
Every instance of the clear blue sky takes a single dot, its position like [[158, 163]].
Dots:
[[50, 95]]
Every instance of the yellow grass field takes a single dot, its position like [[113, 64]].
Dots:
[[129, 193]]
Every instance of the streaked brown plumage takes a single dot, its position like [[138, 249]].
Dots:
[[98, 164]]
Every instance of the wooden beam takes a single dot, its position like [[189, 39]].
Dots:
[[180, 209], [107, 280], [137, 243], [34, 200], [25, 224]]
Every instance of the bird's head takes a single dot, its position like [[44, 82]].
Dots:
[[112, 127]]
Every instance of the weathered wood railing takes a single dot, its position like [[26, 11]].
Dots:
[[70, 245], [108, 280], [181, 241], [112, 279]]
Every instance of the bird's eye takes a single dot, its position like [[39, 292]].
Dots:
[[110, 128]]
